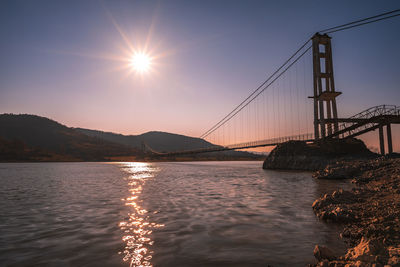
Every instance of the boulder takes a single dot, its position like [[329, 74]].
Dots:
[[394, 256], [366, 251], [323, 253], [333, 207], [298, 155]]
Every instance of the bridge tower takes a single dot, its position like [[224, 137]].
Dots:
[[325, 110]]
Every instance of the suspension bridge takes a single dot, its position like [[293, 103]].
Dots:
[[281, 108]]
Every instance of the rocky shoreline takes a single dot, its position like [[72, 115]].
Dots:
[[369, 213]]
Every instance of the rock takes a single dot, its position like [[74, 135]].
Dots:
[[394, 256], [324, 263], [323, 253], [298, 155], [345, 233], [338, 215], [342, 215], [339, 170], [327, 207], [366, 250], [370, 213]]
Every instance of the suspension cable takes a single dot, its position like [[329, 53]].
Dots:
[[233, 113], [360, 24], [255, 91], [360, 20]]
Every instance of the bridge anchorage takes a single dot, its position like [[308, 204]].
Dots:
[[326, 123]]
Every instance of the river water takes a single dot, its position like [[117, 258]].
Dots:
[[160, 214]]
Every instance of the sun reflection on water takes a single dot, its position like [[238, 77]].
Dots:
[[137, 229]]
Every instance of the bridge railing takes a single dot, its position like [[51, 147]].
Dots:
[[376, 111], [273, 141], [215, 148], [367, 114]]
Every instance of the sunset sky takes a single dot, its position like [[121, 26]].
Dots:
[[69, 60]]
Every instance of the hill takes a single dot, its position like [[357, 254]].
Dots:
[[30, 137], [159, 141], [165, 142], [33, 138]]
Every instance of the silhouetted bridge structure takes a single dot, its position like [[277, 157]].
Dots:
[[279, 110], [254, 144]]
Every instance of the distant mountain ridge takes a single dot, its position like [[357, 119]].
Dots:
[[27, 137], [159, 141], [164, 142]]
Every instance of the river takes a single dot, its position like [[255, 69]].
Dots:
[[160, 214]]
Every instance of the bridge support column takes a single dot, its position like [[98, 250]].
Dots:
[[325, 120], [389, 138], [381, 140]]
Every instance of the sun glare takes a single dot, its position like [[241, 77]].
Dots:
[[140, 62]]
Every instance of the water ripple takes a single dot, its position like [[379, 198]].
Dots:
[[171, 214]]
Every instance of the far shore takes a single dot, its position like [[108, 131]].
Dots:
[[130, 160]]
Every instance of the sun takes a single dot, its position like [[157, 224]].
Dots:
[[140, 62]]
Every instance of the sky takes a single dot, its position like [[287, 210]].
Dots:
[[68, 60]]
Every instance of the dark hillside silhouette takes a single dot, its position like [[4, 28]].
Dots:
[[34, 138], [162, 142], [31, 136]]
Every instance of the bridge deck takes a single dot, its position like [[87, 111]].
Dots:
[[262, 143]]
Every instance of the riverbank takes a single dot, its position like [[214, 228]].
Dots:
[[369, 213]]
